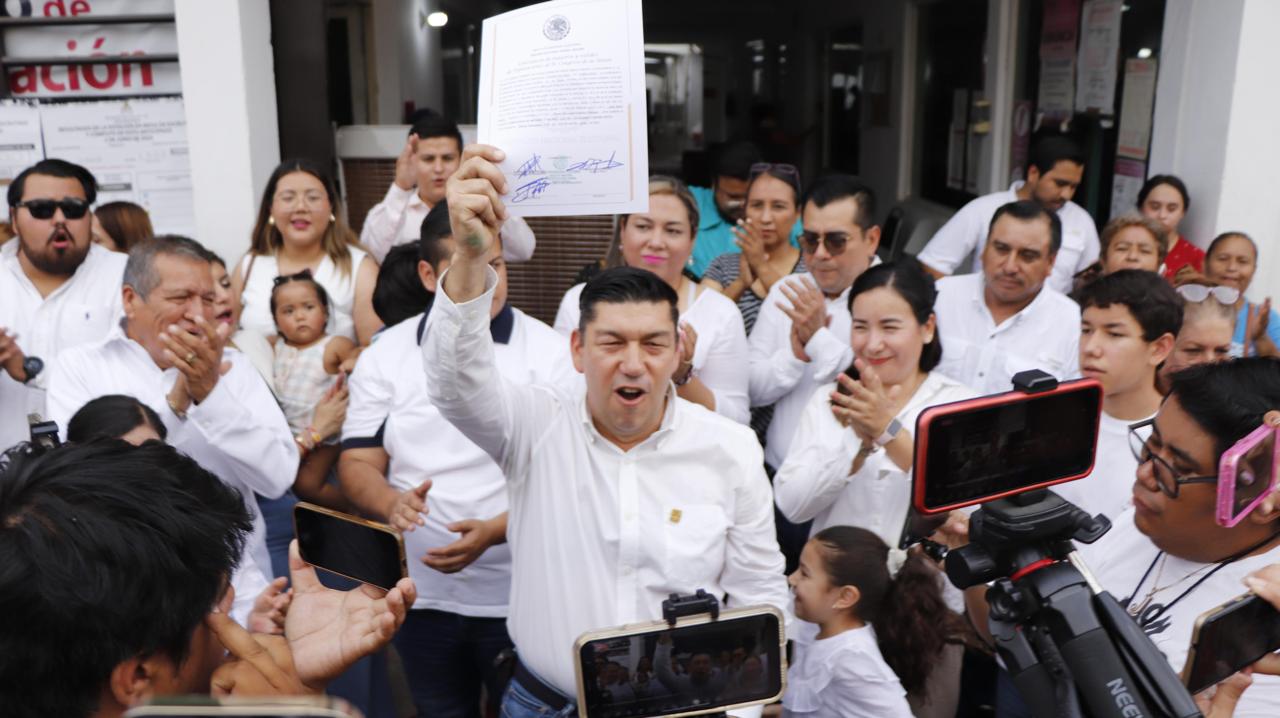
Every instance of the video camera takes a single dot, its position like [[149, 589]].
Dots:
[[1068, 645]]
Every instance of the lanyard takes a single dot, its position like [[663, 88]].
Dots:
[[1151, 614]]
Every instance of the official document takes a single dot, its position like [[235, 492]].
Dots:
[[562, 93]]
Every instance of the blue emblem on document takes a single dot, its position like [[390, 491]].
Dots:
[[556, 27]]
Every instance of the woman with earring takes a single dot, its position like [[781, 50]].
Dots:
[[297, 229]]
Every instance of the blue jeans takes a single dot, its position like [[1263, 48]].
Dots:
[[520, 703], [447, 657], [277, 514]]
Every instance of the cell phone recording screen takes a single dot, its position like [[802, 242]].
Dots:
[[992, 450], [345, 547], [1254, 473], [690, 668], [1233, 639]]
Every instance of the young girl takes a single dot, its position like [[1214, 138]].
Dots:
[[303, 371], [881, 629]]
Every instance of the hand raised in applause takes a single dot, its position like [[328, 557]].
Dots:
[[808, 312], [476, 210], [197, 355], [406, 172]]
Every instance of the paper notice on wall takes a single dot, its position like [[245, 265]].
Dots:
[[1099, 56], [20, 143], [137, 149], [1058, 58], [1125, 185], [1136, 105]]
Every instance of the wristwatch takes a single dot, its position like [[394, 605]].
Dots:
[[32, 366], [891, 431]]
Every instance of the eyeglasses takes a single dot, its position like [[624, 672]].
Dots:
[[835, 241], [72, 208], [1198, 293], [309, 199], [1166, 478]]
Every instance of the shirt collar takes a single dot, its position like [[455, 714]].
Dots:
[[659, 437], [501, 327], [981, 300]]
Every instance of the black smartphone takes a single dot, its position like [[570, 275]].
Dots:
[[700, 666], [1228, 638], [970, 452], [350, 546]]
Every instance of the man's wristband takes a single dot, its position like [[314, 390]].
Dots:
[[890, 432]]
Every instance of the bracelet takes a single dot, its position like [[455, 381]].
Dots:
[[688, 375], [302, 444], [316, 438]]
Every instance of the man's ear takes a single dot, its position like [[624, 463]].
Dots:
[[873, 238], [847, 598], [1161, 348], [428, 276], [575, 349], [135, 679], [1033, 175], [129, 298]]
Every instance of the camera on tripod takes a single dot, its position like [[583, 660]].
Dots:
[[1069, 647]]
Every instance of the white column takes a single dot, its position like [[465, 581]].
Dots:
[[1215, 122], [229, 90]]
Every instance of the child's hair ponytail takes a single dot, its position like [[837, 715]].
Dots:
[[912, 622]]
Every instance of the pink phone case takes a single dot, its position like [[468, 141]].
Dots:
[[1228, 470]]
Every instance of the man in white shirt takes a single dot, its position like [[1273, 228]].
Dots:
[[397, 447], [1005, 320], [617, 498], [168, 355], [58, 289], [1130, 319], [1054, 171], [430, 156]]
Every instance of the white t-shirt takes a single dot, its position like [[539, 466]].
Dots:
[[977, 353], [1109, 488], [341, 288], [1120, 559], [966, 233], [842, 676]]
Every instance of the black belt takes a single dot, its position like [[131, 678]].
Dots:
[[540, 690]]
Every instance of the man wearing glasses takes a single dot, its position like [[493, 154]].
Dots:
[[57, 288]]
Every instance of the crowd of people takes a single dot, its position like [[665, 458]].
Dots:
[[726, 402]]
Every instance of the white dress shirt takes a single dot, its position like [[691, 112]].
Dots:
[[600, 536], [397, 219], [776, 375], [975, 352], [966, 233], [814, 482], [238, 432], [81, 311], [843, 676], [389, 408], [718, 354]]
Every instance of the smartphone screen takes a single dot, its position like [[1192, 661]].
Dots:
[[1254, 473], [349, 546], [974, 451], [689, 668], [1230, 638]]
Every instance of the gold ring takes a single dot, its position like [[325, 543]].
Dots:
[[191, 358]]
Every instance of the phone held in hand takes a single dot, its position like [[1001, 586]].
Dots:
[[1247, 474], [350, 546], [1228, 638]]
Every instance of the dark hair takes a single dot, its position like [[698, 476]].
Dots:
[[835, 187], [126, 222], [1228, 399], [428, 125], [735, 161], [266, 237], [1228, 235], [54, 168], [622, 285], [790, 179], [1153, 303], [398, 293], [1049, 151], [435, 227], [1029, 210], [140, 269], [912, 622], [111, 417], [1157, 180], [906, 277], [107, 551], [305, 277]]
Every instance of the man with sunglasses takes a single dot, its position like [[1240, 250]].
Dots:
[[57, 288]]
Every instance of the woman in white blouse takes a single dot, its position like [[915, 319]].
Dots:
[[850, 460], [298, 229], [713, 369]]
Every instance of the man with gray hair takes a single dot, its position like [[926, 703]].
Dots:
[[168, 354]]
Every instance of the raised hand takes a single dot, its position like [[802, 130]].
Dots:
[[408, 508], [749, 237], [329, 630], [257, 665], [11, 355], [270, 608], [808, 310], [331, 410], [406, 172], [688, 345], [198, 357], [868, 407], [1258, 319], [476, 210]]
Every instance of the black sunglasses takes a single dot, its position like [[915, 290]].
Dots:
[[835, 241], [71, 207]]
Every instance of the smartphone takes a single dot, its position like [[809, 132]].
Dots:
[[973, 451], [1228, 638], [1247, 474], [350, 546], [197, 706], [702, 665]]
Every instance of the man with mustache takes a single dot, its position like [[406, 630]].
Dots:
[[57, 288], [1006, 319], [1054, 171]]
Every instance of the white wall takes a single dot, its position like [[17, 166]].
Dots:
[[229, 92], [407, 60]]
